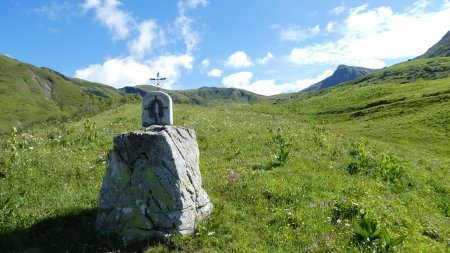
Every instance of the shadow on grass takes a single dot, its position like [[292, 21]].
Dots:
[[268, 166], [73, 232]]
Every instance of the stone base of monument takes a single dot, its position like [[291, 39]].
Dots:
[[152, 187]]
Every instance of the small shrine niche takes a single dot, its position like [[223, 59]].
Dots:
[[157, 109]]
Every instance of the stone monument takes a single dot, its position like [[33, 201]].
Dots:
[[153, 186]]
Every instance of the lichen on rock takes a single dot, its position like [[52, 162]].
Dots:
[[153, 185]]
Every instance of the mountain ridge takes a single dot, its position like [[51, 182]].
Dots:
[[202, 95], [342, 74]]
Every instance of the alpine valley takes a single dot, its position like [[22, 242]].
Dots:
[[359, 162]]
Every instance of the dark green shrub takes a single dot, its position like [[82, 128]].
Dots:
[[363, 163], [90, 131], [281, 146], [369, 238], [389, 169], [346, 210]]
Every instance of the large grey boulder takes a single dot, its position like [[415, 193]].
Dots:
[[152, 185]]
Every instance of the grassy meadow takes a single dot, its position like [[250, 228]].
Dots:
[[280, 180], [403, 107]]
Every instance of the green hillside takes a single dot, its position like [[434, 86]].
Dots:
[[30, 94], [407, 103]]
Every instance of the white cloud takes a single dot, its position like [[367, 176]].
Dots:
[[184, 24], [150, 35], [215, 73], [338, 9], [269, 56], [419, 6], [143, 37], [330, 26], [205, 63], [446, 4], [109, 14], [239, 59], [119, 72], [171, 66], [371, 36], [242, 80], [238, 80], [274, 27], [122, 24], [296, 33], [57, 11], [191, 37], [305, 83], [195, 3], [186, 5]]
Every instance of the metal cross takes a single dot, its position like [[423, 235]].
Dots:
[[158, 80]]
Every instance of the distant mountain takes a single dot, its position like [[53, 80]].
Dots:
[[440, 49], [342, 74], [31, 94], [201, 96], [133, 90]]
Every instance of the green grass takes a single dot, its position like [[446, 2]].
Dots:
[[51, 176], [292, 173]]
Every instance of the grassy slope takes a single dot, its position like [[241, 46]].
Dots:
[[96, 89], [258, 206], [404, 105], [30, 94], [209, 95]]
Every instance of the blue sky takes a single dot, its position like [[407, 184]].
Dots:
[[264, 46]]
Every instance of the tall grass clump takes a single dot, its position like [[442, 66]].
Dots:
[[280, 146], [386, 168]]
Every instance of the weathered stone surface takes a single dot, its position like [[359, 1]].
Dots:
[[152, 185], [157, 109]]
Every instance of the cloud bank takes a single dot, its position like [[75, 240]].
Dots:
[[143, 38], [367, 37], [372, 36], [243, 80]]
